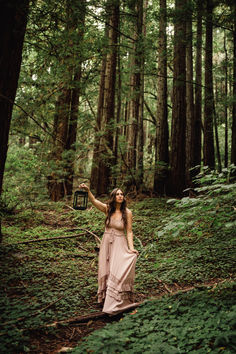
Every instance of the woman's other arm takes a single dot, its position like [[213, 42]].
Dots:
[[130, 235], [99, 205]]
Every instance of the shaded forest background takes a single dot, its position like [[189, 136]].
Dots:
[[139, 94], [136, 94]]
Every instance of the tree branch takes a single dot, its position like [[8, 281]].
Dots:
[[30, 116], [60, 237], [32, 314], [150, 112]]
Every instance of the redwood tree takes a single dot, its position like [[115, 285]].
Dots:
[[226, 103], [196, 138], [208, 144], [177, 179], [106, 108], [141, 27], [98, 128], [77, 26], [60, 182], [233, 144], [135, 104], [162, 134], [56, 184], [13, 20], [189, 95]]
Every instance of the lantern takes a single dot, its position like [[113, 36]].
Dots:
[[80, 200]]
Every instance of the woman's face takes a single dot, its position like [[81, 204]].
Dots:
[[119, 196]]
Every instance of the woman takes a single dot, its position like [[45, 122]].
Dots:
[[117, 256]]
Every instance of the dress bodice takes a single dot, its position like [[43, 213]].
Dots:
[[116, 224]]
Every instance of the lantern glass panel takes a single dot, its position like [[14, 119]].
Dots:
[[80, 200]]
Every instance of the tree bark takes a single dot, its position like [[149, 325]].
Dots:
[[162, 131], [132, 123], [60, 182], [118, 111], [233, 141], [134, 106], [72, 131], [208, 143], [56, 183], [13, 20], [106, 158], [98, 128], [217, 140], [189, 99], [142, 8], [196, 138], [177, 179], [226, 102], [77, 24]]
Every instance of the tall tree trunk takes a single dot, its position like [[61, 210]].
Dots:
[[134, 110], [141, 10], [189, 98], [226, 102], [217, 140], [60, 182], [208, 144], [56, 185], [233, 143], [106, 146], [118, 111], [77, 24], [132, 123], [98, 128], [177, 180], [72, 130], [162, 132], [196, 138], [13, 19]]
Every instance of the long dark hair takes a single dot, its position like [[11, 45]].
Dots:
[[111, 207]]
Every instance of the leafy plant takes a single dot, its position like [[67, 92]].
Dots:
[[180, 244], [200, 321]]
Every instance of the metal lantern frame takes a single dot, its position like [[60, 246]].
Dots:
[[80, 201]]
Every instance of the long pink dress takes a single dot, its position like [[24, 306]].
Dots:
[[116, 269]]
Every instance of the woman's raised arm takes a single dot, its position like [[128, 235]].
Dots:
[[99, 205]]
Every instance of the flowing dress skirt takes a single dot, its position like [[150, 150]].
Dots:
[[116, 271]]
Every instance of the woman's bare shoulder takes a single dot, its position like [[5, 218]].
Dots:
[[129, 212]]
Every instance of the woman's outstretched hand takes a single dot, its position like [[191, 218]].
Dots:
[[99, 205], [134, 251], [84, 186]]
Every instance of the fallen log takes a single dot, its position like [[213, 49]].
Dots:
[[47, 239], [90, 232], [98, 315], [102, 315], [60, 237], [92, 316]]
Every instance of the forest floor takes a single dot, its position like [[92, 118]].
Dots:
[[47, 282]]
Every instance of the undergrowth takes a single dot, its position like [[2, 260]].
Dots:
[[181, 242], [200, 321]]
